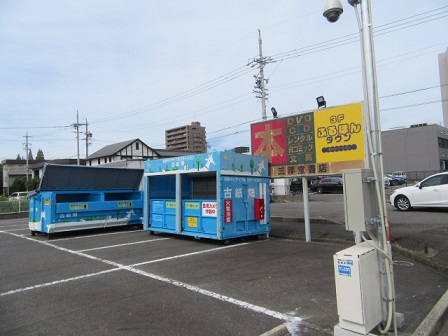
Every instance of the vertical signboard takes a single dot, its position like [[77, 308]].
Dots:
[[315, 143]]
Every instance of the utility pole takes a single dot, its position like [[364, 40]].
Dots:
[[76, 126], [260, 82], [88, 139], [27, 150]]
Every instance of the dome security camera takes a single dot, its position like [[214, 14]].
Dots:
[[333, 10]]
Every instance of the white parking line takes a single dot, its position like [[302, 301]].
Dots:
[[125, 244], [220, 297], [23, 220], [188, 254], [11, 225], [292, 320], [13, 230], [15, 291]]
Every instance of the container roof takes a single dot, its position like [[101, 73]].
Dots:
[[69, 177]]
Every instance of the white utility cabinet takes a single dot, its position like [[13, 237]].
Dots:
[[358, 290]]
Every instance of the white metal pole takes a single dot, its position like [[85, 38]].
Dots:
[[306, 209]]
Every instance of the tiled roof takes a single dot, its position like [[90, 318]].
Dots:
[[112, 149]]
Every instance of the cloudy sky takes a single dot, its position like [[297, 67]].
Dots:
[[133, 69]]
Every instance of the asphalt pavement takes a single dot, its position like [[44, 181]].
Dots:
[[125, 281]]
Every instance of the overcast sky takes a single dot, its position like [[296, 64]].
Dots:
[[135, 68]]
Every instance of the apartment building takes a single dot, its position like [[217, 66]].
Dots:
[[189, 138]]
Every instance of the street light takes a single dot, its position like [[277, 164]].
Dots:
[[332, 11], [321, 102]]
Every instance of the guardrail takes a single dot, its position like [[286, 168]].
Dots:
[[14, 207]]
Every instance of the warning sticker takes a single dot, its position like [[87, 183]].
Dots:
[[209, 209], [79, 206], [345, 267], [192, 222]]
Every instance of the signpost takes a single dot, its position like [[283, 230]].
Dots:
[[322, 142]]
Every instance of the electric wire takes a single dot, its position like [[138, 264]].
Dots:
[[241, 71]]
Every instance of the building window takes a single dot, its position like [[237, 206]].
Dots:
[[137, 145], [443, 143]]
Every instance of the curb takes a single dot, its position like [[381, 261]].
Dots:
[[435, 319], [422, 260], [280, 330], [297, 219]]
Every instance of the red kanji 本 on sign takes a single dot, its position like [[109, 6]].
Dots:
[[269, 139], [228, 211]]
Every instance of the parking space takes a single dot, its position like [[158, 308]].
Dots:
[[128, 281]]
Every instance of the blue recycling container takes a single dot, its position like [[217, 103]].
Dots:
[[78, 197], [218, 195]]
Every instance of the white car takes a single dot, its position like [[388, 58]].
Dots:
[[15, 196], [386, 182], [430, 192]]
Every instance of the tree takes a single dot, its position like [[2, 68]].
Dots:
[[18, 157], [30, 154], [40, 155], [19, 184], [33, 183]]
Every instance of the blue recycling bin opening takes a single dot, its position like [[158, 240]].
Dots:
[[79, 197], [218, 195]]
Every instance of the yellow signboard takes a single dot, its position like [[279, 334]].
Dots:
[[339, 134]]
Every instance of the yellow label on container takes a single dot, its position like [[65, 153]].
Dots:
[[192, 205], [192, 222], [170, 205], [47, 201], [83, 206], [125, 204]]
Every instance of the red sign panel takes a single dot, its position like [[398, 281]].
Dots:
[[228, 211], [269, 139]]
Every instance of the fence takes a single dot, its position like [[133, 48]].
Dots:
[[15, 206]]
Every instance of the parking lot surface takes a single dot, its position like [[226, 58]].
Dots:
[[125, 281]]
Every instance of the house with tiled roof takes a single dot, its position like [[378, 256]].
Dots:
[[130, 153]]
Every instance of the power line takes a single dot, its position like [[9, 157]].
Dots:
[[34, 127], [351, 38], [390, 27], [412, 105], [181, 96], [318, 47], [413, 91]]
